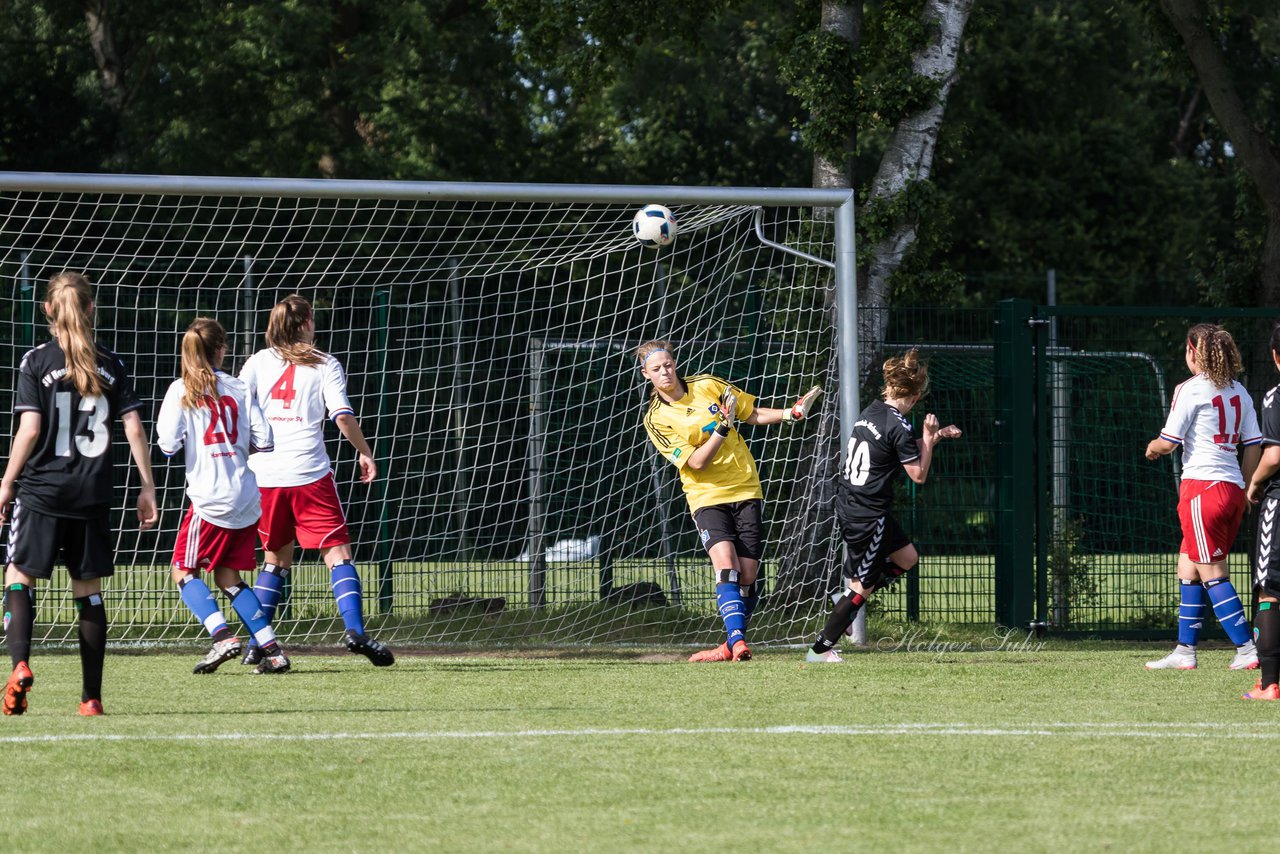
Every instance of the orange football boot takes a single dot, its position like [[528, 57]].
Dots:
[[91, 708], [1271, 692], [15, 690], [720, 653], [741, 652]]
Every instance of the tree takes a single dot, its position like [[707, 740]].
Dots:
[[1244, 28]]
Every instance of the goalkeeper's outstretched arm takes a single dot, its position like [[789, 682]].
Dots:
[[798, 411]]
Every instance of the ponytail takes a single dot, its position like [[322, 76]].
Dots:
[[287, 332], [69, 305], [200, 346], [905, 376], [1215, 353]]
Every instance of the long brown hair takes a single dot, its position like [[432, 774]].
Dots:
[[1215, 353], [200, 345], [905, 376], [287, 331], [69, 305]]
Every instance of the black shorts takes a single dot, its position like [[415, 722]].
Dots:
[[870, 541], [739, 523], [37, 540], [1266, 573]]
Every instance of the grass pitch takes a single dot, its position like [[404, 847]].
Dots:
[[933, 746]]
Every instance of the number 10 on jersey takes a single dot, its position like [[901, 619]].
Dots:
[[857, 462]]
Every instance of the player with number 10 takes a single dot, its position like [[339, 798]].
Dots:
[[880, 445]]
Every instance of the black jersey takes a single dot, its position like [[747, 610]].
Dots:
[[1269, 421], [880, 443], [69, 471]]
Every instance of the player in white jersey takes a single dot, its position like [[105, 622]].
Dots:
[[210, 414], [1211, 418], [297, 385]]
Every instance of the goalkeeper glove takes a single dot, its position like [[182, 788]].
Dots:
[[801, 408], [728, 411]]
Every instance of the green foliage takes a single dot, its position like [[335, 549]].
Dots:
[[819, 69], [1070, 568], [1075, 137]]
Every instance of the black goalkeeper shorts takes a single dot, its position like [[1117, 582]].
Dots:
[[739, 523]]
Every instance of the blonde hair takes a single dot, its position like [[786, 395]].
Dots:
[[1215, 353], [287, 333], [905, 376], [200, 345], [648, 348], [69, 305]]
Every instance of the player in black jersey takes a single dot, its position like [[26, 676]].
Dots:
[[880, 445], [1264, 487], [57, 489]]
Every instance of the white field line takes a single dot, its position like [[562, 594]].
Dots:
[[1264, 730]]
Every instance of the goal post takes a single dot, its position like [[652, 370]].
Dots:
[[486, 332]]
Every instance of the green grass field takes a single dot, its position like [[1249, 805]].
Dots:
[[935, 746]]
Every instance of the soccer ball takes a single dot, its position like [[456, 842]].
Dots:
[[654, 226]]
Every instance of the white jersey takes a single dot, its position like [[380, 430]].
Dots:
[[1210, 424], [296, 399], [217, 436]]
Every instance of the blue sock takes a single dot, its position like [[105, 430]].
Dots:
[[750, 596], [197, 596], [268, 589], [1190, 613], [729, 598], [346, 592], [1228, 609], [247, 606]]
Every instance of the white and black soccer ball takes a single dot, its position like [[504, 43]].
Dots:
[[654, 226]]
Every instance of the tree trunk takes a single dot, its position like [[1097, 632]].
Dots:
[[806, 566], [807, 560], [908, 158], [843, 20], [1250, 142], [336, 101], [105, 54]]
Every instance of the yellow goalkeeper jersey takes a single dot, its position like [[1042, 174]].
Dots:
[[678, 429]]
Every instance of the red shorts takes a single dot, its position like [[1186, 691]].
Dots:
[[310, 514], [1210, 512], [203, 545]]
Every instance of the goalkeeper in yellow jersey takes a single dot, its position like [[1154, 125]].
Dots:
[[692, 422]]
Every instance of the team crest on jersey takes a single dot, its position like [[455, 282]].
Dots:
[[676, 453], [714, 409]]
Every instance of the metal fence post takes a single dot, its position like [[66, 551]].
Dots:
[[1015, 464]]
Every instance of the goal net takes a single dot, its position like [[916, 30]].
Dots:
[[487, 336]]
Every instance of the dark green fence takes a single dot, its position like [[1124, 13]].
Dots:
[[1089, 532]]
